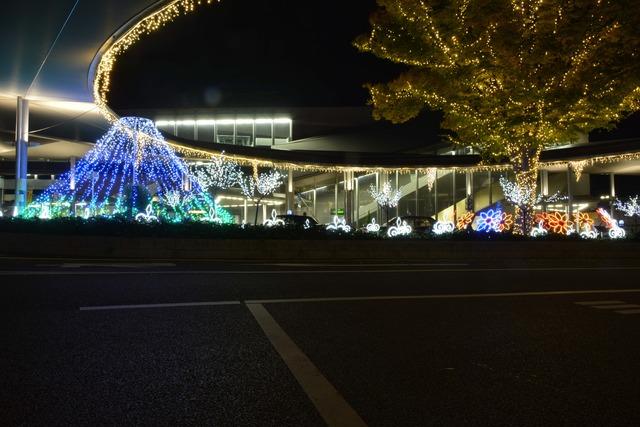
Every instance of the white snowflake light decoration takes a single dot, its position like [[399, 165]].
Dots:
[[373, 227], [400, 229], [339, 225], [274, 221], [386, 197]]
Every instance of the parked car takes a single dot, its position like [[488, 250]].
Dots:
[[419, 224], [301, 221]]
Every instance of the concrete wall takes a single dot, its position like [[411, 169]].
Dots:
[[489, 252]]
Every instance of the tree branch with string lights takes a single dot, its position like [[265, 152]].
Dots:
[[258, 186], [511, 77]]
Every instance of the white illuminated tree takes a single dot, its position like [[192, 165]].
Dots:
[[219, 174], [517, 195], [386, 197], [629, 208], [258, 187]]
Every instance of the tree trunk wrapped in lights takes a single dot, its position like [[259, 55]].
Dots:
[[511, 78], [525, 162]]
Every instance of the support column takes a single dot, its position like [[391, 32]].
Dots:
[[315, 204], [490, 189], [22, 145], [72, 173], [348, 197], [612, 193], [469, 187], [398, 189], [453, 197], [417, 193], [290, 193], [435, 198], [544, 187], [245, 211], [569, 195], [356, 202], [264, 212]]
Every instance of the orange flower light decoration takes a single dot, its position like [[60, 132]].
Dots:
[[558, 222], [506, 222], [465, 220], [581, 219]]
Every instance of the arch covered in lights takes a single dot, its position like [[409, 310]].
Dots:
[[164, 12]]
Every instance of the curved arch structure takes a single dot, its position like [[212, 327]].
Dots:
[[163, 12]]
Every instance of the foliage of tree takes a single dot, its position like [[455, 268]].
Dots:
[[512, 77]]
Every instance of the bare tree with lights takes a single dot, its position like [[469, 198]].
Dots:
[[386, 197], [219, 174], [511, 77], [257, 187]]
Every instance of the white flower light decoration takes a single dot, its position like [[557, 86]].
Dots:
[[339, 225], [373, 227], [400, 229], [147, 216], [274, 221], [442, 227]]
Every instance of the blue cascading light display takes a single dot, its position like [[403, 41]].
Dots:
[[130, 170]]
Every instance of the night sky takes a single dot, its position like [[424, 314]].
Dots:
[[263, 53], [254, 53]]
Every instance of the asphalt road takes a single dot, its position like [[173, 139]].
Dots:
[[297, 345]]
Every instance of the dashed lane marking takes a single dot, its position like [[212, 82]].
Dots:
[[146, 306], [628, 311], [619, 307], [616, 306], [598, 302]]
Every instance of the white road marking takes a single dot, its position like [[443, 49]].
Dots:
[[628, 311], [280, 272], [443, 296], [119, 265], [335, 411], [599, 302], [372, 264], [142, 306], [614, 306]]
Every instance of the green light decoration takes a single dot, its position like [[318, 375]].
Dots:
[[133, 173]]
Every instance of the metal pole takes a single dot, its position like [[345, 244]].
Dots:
[[290, 194], [22, 145]]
